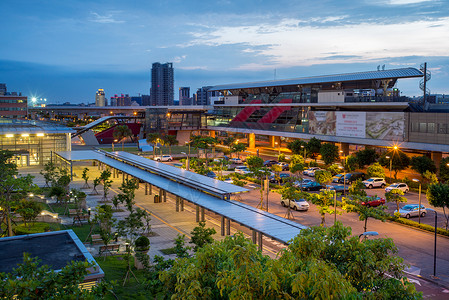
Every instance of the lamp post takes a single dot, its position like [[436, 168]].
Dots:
[[419, 197], [187, 162], [367, 234], [279, 147], [335, 206], [344, 172], [391, 163], [302, 146], [435, 245]]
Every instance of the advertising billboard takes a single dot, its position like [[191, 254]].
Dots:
[[350, 124], [322, 122], [385, 126]]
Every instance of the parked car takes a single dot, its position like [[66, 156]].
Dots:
[[397, 186], [284, 166], [236, 161], [336, 177], [303, 182], [351, 177], [298, 204], [282, 177], [211, 175], [311, 171], [164, 158], [229, 180], [373, 201], [312, 186], [339, 188], [242, 170], [374, 182], [269, 163], [411, 210]]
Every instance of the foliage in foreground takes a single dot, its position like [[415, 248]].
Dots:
[[321, 263]]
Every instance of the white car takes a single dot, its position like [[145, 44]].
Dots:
[[235, 160], [398, 186], [374, 182], [311, 171], [163, 158], [411, 210], [299, 204], [229, 180], [242, 170]]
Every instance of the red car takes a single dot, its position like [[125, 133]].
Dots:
[[373, 201]]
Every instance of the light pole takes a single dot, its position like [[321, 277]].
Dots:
[[419, 207], [187, 162], [279, 147], [335, 206], [391, 163], [367, 234], [435, 245], [344, 173], [302, 146]]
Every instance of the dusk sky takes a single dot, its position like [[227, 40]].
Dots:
[[66, 50]]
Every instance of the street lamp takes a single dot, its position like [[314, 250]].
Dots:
[[391, 163], [435, 245], [367, 234], [188, 161], [344, 172], [302, 146], [419, 207], [279, 147]]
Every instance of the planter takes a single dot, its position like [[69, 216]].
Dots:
[[137, 262]]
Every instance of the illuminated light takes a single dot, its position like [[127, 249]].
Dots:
[[110, 112], [168, 115], [10, 135], [40, 134], [135, 113], [25, 134], [395, 147]]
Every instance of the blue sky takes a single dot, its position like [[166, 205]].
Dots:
[[66, 50]]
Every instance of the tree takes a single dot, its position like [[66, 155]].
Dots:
[[198, 141], [421, 164], [357, 189], [277, 169], [237, 148], [351, 163], [444, 169], [96, 183], [319, 263], [153, 138], [107, 183], [31, 280], [29, 210], [399, 161], [395, 195], [106, 221], [438, 196], [324, 201], [323, 177], [121, 132], [202, 236], [334, 169], [366, 157], [290, 193], [430, 177], [170, 140], [329, 153], [255, 165], [313, 147], [297, 146], [297, 159], [49, 173], [85, 177], [376, 170], [13, 187], [365, 212], [229, 141]]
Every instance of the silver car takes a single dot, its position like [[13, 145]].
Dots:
[[298, 204], [411, 210]]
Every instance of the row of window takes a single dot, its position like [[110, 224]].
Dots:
[[12, 101], [430, 127], [12, 108]]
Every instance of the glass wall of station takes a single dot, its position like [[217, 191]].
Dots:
[[33, 149]]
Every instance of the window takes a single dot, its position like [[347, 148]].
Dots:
[[430, 127], [415, 127], [422, 127], [442, 128]]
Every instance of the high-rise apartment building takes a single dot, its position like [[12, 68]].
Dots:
[[184, 96], [100, 99], [203, 95], [162, 84]]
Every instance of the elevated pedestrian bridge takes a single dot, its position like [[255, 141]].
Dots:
[[202, 191]]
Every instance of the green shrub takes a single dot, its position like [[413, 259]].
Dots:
[[142, 243], [34, 228], [420, 226], [313, 164]]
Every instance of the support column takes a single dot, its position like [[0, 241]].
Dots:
[[251, 140], [223, 226], [212, 133], [146, 188], [182, 204], [99, 164], [165, 196], [123, 177], [254, 237], [260, 240], [345, 148], [272, 141], [202, 214], [177, 204], [197, 214], [71, 170], [151, 189], [160, 194], [228, 227], [436, 157]]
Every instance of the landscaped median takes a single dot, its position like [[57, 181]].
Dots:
[[419, 226]]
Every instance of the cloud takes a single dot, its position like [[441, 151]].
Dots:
[[405, 2], [106, 19], [193, 68], [289, 43], [178, 59]]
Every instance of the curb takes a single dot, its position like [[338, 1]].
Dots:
[[419, 229], [427, 279]]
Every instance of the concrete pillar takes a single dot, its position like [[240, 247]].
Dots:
[[436, 157], [260, 240], [99, 165], [345, 148], [177, 204], [123, 177], [202, 214], [272, 141], [223, 225], [182, 204], [127, 176], [254, 237], [228, 227], [146, 188], [212, 133], [197, 214], [151, 189], [251, 140], [165, 196]]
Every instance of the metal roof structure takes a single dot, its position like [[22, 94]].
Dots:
[[14, 126], [268, 224], [358, 76]]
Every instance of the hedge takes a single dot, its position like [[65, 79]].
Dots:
[[31, 228], [420, 226]]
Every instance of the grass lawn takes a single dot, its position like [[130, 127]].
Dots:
[[83, 231], [168, 251], [115, 268]]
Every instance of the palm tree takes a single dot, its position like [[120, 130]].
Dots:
[[120, 133], [170, 140], [153, 138]]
